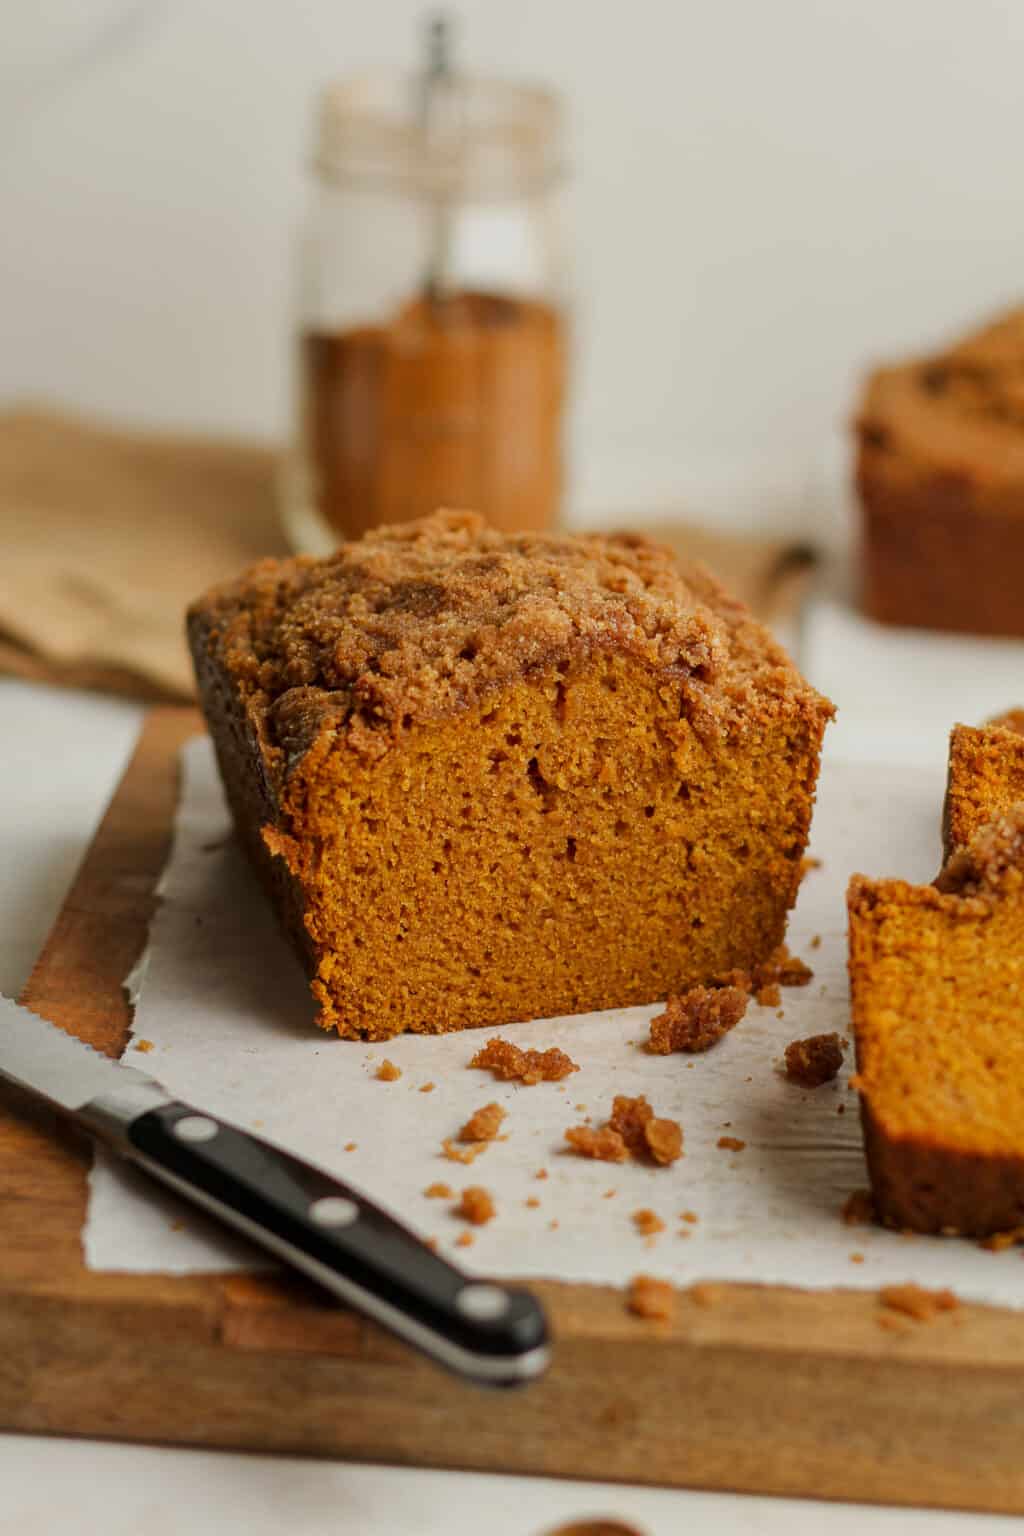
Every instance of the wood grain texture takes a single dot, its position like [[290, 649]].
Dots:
[[763, 1390]]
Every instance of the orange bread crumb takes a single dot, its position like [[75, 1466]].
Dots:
[[695, 1020], [476, 1205], [731, 1143], [457, 1154], [541, 1173], [632, 1130], [664, 1140], [651, 1298], [350, 1146], [426, 1088], [648, 1223], [464, 1240], [438, 1191], [690, 1216], [606, 1145], [387, 1072], [509, 1062], [145, 1046], [531, 1202], [916, 1302], [704, 1294], [484, 1124], [815, 1060]]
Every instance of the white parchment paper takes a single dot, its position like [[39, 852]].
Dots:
[[226, 1008]]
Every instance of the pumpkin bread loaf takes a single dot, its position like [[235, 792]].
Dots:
[[985, 776], [940, 475], [489, 777], [937, 988]]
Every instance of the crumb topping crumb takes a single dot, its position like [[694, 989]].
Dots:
[[651, 1298], [697, 1019], [814, 1060], [632, 1130], [648, 1223], [387, 1072], [916, 1302], [475, 1205], [510, 1062], [484, 1124]]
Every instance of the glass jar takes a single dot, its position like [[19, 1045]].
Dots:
[[432, 345]]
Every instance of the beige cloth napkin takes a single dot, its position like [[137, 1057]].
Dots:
[[108, 534]]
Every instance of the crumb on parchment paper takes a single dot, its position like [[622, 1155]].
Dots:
[[476, 1205]]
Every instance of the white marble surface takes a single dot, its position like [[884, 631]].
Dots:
[[60, 755]]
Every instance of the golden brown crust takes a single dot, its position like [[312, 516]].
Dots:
[[426, 618], [940, 472]]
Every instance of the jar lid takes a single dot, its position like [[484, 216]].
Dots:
[[486, 139]]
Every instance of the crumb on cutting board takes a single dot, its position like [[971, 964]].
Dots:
[[650, 1298], [916, 1302], [704, 1294]]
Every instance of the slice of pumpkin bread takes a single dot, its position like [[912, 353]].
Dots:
[[489, 777], [985, 776], [937, 988]]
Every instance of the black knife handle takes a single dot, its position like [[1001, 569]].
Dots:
[[491, 1333]]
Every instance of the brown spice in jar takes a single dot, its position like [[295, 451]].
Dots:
[[454, 402]]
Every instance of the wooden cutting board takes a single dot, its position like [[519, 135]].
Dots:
[[765, 1389]]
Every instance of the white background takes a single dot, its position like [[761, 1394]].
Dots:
[[765, 197]]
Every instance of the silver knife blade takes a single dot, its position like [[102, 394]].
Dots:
[[38, 1056]]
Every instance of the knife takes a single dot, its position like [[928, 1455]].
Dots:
[[493, 1334]]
